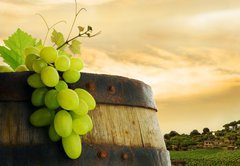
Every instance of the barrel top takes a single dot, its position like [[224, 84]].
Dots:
[[106, 89]]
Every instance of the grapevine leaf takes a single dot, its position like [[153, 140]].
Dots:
[[80, 28], [39, 43], [17, 42], [9, 57], [57, 38], [75, 47]]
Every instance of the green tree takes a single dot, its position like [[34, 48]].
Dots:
[[167, 136], [173, 133], [238, 124], [233, 125], [238, 142], [232, 136], [220, 133], [206, 130], [182, 142], [226, 127], [194, 133]]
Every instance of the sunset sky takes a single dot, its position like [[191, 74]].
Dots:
[[188, 51]]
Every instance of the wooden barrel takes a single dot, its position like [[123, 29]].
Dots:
[[126, 130]]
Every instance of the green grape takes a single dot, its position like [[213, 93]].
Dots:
[[68, 99], [72, 145], [61, 85], [62, 63], [63, 123], [82, 108], [39, 47], [35, 81], [74, 115], [80, 127], [86, 119], [31, 50], [21, 68], [48, 54], [61, 52], [50, 99], [49, 76], [29, 61], [4, 69], [38, 65], [38, 96], [87, 97], [42, 117], [53, 134], [76, 64], [71, 76]]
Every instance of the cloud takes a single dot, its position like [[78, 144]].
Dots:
[[86, 2], [228, 72], [218, 107]]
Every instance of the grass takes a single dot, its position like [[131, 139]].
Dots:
[[208, 157]]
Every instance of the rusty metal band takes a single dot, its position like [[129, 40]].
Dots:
[[92, 155], [106, 89]]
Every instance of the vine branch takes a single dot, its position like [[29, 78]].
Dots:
[[48, 28], [77, 12], [84, 34]]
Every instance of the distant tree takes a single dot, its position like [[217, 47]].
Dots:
[[197, 138], [233, 125], [206, 130], [220, 133], [232, 136], [238, 142], [194, 132], [167, 136], [186, 143], [238, 124], [226, 126], [173, 133], [182, 141], [168, 145]]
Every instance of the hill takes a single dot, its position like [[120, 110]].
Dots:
[[226, 138]]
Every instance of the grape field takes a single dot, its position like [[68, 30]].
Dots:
[[204, 157]]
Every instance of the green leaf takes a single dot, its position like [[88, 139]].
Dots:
[[39, 43], [9, 57], [75, 47], [80, 28], [57, 38], [17, 42]]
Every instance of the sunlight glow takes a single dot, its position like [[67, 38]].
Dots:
[[210, 18], [85, 2]]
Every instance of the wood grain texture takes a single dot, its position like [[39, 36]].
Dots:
[[106, 89], [118, 125], [15, 128], [123, 125], [127, 128]]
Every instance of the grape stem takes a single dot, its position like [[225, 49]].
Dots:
[[75, 17], [84, 34], [87, 33], [48, 28]]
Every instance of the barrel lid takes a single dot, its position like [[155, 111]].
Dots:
[[106, 89]]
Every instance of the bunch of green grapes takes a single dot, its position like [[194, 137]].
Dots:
[[64, 110]]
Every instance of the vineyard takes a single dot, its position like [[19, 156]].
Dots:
[[204, 157]]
